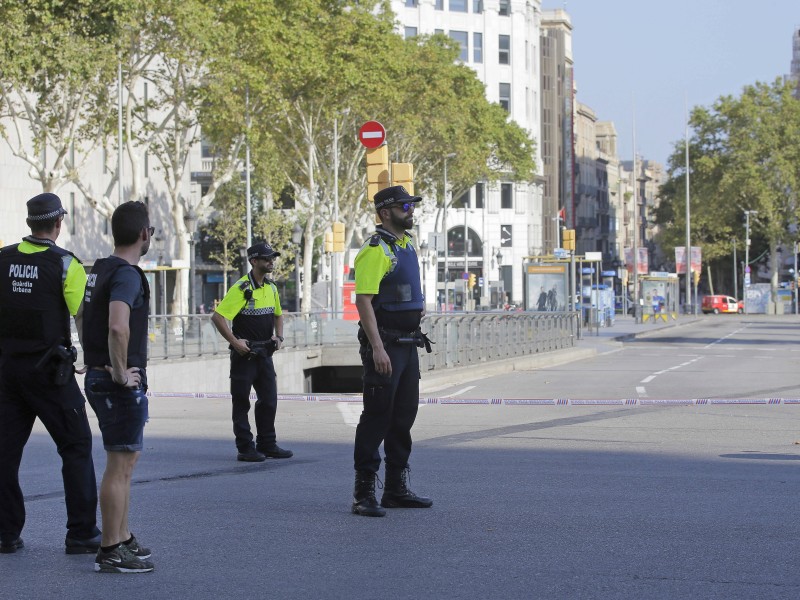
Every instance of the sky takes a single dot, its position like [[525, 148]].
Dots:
[[644, 61]]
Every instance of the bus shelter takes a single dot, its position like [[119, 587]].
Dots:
[[660, 297]]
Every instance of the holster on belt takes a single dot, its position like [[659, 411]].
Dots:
[[58, 363], [266, 348], [393, 336]]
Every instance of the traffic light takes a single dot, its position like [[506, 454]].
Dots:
[[338, 237], [403, 174], [377, 170], [471, 280], [328, 241], [696, 277], [568, 241]]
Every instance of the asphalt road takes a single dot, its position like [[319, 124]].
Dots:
[[529, 501]]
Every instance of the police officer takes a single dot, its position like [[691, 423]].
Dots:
[[254, 308], [390, 306], [41, 285]]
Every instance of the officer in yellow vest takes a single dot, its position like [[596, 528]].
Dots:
[[256, 332]]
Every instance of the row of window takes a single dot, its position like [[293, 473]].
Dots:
[[506, 197], [504, 8], [462, 37]]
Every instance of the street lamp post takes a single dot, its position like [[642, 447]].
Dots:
[[444, 226], [746, 285], [190, 220], [498, 256], [423, 252], [297, 237]]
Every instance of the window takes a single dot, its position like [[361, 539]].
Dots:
[[462, 201], [505, 96], [411, 32], [505, 50], [477, 6], [458, 5], [439, 5], [505, 8], [506, 195], [286, 199], [479, 191], [462, 38], [72, 214], [477, 47], [411, 3], [438, 31]]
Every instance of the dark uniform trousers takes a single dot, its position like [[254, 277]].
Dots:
[[390, 409], [258, 373], [24, 395]]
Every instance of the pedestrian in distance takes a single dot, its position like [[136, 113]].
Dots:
[[116, 307], [256, 332], [390, 307], [41, 286]]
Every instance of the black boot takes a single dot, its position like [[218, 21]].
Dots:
[[396, 493], [364, 501]]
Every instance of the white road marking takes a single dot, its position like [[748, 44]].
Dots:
[[641, 391], [351, 412], [459, 392], [649, 379], [722, 339]]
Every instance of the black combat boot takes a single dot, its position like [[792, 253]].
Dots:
[[364, 501], [396, 493]]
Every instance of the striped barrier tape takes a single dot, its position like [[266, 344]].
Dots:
[[509, 401]]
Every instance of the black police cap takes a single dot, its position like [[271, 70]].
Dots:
[[395, 194], [44, 207], [261, 249]]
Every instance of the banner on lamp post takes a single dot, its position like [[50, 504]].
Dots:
[[642, 264], [680, 259]]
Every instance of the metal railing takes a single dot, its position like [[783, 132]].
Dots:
[[460, 338]]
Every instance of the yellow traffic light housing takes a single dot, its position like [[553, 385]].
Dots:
[[568, 241], [471, 280], [328, 241], [403, 174], [338, 237], [377, 170]]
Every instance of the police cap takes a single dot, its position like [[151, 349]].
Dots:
[[395, 194], [261, 249], [45, 207]]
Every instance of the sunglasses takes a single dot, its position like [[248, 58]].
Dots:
[[151, 231], [406, 206]]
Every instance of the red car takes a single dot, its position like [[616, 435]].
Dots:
[[721, 304]]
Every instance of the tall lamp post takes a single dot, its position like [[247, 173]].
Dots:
[[424, 251], [746, 285], [297, 237], [159, 243], [190, 220], [444, 226]]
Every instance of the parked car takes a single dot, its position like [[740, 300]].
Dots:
[[721, 304]]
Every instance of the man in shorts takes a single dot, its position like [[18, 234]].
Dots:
[[115, 349]]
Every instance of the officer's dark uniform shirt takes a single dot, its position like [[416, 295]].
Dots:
[[41, 285], [115, 279], [387, 268], [251, 318]]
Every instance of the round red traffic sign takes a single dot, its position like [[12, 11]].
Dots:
[[372, 134]]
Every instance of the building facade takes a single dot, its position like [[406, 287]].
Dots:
[[503, 221]]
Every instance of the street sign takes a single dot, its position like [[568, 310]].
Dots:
[[480, 281], [372, 134]]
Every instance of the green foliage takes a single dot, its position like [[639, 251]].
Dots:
[[744, 155]]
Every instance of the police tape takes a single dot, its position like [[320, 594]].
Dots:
[[509, 401]]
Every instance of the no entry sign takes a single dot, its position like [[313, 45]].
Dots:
[[372, 134]]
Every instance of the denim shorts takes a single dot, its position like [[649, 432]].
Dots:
[[121, 412]]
